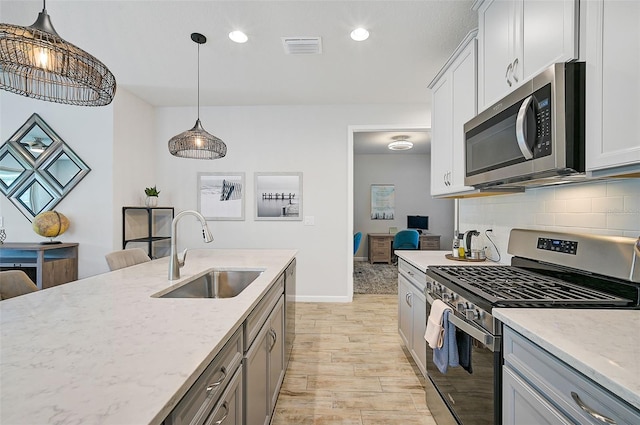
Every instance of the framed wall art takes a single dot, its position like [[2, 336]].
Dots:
[[221, 196], [278, 196], [382, 202]]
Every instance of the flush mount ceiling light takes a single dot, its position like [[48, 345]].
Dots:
[[359, 34], [400, 143], [238, 36], [35, 62], [197, 143]]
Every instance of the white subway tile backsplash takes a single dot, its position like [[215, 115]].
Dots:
[[545, 219], [579, 205], [608, 205], [603, 207], [586, 220], [623, 221], [581, 191], [622, 187], [555, 206]]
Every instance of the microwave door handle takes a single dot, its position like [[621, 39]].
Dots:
[[521, 122]]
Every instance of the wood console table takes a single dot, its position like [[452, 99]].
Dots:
[[47, 265]]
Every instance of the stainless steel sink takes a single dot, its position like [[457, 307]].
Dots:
[[217, 283]]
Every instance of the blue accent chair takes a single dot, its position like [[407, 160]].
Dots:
[[356, 242], [406, 239]]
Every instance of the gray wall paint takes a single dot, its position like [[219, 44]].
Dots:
[[412, 179]]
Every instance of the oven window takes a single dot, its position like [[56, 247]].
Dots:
[[470, 396]]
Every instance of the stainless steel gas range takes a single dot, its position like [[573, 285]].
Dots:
[[550, 270]]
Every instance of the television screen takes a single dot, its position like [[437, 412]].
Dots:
[[418, 222]]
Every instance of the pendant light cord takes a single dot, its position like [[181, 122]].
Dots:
[[198, 82]]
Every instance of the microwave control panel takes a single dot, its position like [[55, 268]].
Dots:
[[542, 146]]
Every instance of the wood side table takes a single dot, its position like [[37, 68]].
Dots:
[[47, 264], [380, 250]]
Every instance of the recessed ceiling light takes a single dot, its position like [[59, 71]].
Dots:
[[238, 36], [400, 143], [359, 34]]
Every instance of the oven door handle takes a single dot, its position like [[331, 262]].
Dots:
[[492, 342], [475, 333]]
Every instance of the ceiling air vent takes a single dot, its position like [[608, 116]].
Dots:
[[302, 45]]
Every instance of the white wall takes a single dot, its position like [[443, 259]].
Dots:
[[89, 133], [134, 156], [607, 207], [309, 139], [412, 179]]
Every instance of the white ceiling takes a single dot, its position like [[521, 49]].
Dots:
[[147, 46]]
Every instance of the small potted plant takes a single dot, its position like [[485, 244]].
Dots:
[[152, 196]]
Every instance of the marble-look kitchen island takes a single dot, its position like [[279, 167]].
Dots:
[[101, 350]]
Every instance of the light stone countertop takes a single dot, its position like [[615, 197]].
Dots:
[[604, 345], [101, 350], [423, 259]]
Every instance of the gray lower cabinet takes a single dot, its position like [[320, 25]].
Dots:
[[412, 312], [229, 409], [241, 385], [208, 394], [264, 356], [539, 388]]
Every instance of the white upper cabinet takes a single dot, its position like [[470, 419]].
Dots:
[[519, 38], [612, 36], [453, 104]]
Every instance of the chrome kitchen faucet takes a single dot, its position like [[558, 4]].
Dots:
[[174, 262]]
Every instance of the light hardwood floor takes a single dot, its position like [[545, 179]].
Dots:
[[349, 367]]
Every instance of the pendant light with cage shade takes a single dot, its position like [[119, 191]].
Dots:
[[36, 62], [197, 143]]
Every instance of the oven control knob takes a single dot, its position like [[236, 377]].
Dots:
[[445, 297], [472, 314], [461, 307]]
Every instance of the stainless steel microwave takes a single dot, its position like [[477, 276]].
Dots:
[[534, 136]]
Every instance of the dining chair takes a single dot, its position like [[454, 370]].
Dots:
[[126, 257], [14, 283]]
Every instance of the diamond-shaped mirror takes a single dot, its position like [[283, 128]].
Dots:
[[37, 169], [13, 169]]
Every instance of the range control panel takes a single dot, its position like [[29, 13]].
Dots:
[[558, 245]]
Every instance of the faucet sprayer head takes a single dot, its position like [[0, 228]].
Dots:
[[206, 233]]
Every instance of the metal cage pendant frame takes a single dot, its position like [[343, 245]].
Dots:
[[36, 62], [197, 143]]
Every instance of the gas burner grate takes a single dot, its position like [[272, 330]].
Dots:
[[512, 286]]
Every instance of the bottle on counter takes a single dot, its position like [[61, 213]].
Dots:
[[455, 246], [461, 252]]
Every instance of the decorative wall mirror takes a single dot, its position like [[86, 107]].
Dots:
[[37, 169]]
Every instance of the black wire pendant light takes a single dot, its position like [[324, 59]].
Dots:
[[36, 62], [197, 143]]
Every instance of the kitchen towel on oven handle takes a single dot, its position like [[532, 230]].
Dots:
[[447, 355], [434, 335]]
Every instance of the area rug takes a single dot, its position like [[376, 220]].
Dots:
[[374, 278]]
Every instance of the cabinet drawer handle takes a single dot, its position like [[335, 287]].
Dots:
[[225, 405], [590, 411], [216, 384]]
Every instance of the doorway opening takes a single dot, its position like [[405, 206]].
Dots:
[[373, 140]]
